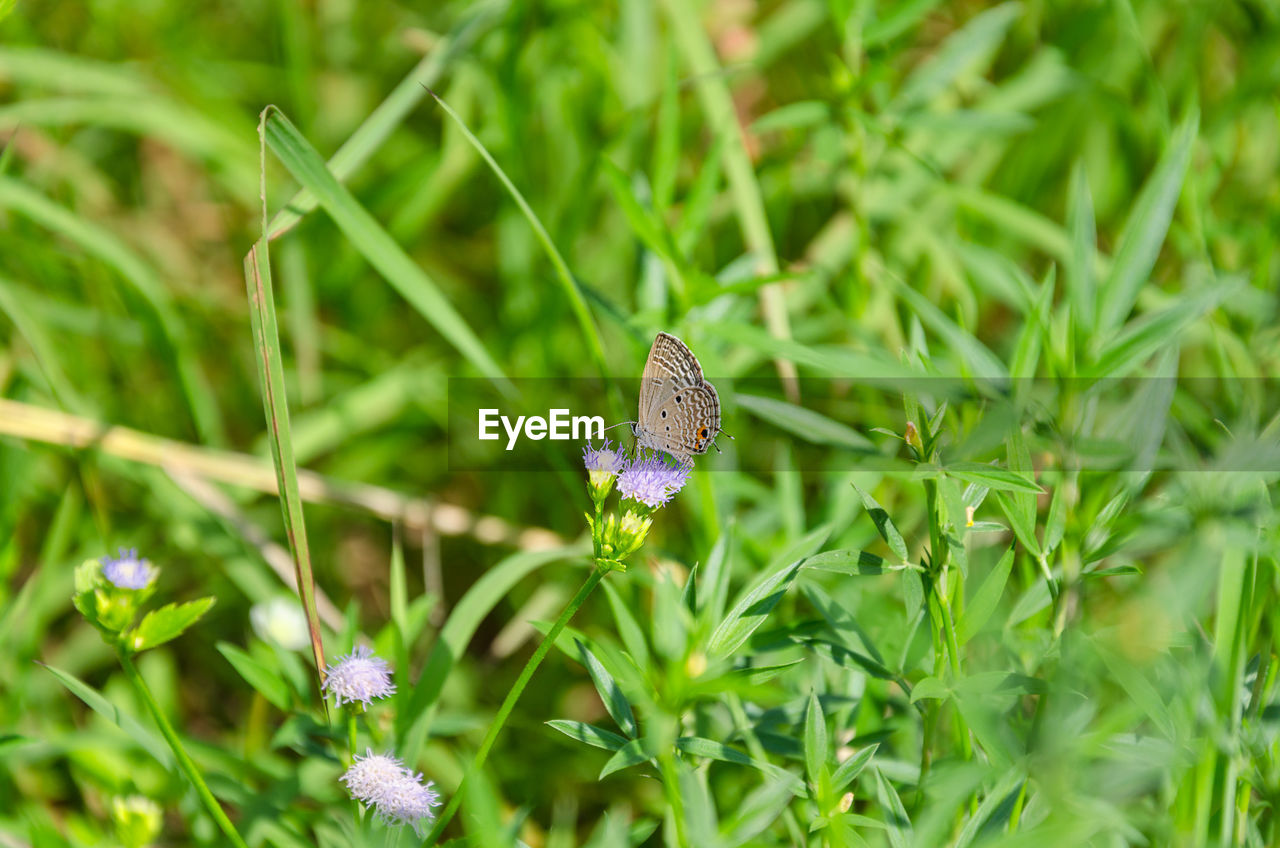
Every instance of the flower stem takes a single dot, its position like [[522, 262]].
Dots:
[[597, 574], [351, 733], [671, 786], [184, 761]]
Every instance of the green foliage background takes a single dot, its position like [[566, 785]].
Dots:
[[847, 190]]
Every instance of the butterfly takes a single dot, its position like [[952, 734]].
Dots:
[[679, 410]]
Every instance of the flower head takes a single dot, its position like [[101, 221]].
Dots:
[[652, 480], [128, 571], [359, 676], [602, 464], [281, 621], [137, 820], [396, 794]]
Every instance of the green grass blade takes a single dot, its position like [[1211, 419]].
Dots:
[[748, 200], [374, 243], [390, 113], [130, 725], [1081, 292], [105, 246], [966, 47], [414, 717], [567, 283], [1137, 342], [42, 347], [804, 423], [1145, 230]]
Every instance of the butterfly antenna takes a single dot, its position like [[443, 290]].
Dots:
[[619, 424]]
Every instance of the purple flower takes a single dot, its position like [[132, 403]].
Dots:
[[604, 459], [128, 571], [359, 676], [603, 464], [396, 794], [652, 480]]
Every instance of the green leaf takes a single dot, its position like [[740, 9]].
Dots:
[[1142, 338], [984, 600], [374, 243], [568, 284], [1145, 230], [930, 688], [894, 19], [264, 679], [897, 823], [1079, 265], [805, 423], [964, 49], [589, 733], [884, 524], [1000, 479], [994, 811], [977, 357], [130, 725], [849, 770], [1140, 689], [752, 608], [849, 562], [391, 113], [614, 701], [1024, 530], [815, 741], [1114, 571], [168, 622], [633, 753], [712, 750], [464, 619], [628, 627]]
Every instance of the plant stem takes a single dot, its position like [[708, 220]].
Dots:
[[597, 574], [175, 744], [351, 732], [671, 786]]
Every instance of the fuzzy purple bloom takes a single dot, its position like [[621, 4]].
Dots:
[[604, 459], [128, 571], [396, 794], [359, 676], [652, 480]]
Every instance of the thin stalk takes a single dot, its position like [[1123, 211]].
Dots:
[[671, 787], [175, 744], [351, 733], [597, 574]]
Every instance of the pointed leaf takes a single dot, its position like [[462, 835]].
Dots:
[[815, 740], [984, 600], [614, 701], [265, 681], [884, 524], [168, 622], [1145, 230], [588, 733], [849, 770]]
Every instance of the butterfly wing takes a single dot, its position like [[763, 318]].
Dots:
[[679, 412], [685, 423], [671, 365]]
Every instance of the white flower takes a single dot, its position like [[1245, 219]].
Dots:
[[396, 794], [359, 676], [281, 621]]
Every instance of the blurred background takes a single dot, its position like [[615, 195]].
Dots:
[[830, 189]]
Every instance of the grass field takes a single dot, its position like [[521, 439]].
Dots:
[[990, 298]]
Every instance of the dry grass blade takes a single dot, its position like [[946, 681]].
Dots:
[[34, 423], [266, 343]]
